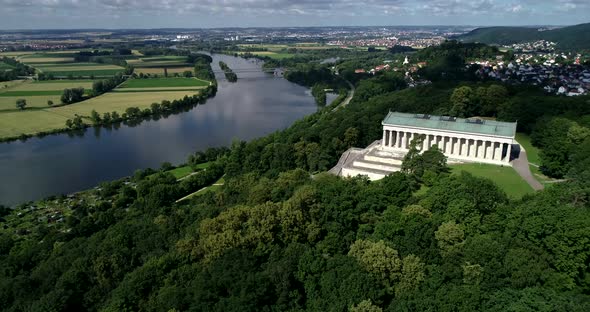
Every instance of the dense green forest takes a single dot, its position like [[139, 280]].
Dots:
[[281, 235]]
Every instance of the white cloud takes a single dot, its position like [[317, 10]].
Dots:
[[309, 11]]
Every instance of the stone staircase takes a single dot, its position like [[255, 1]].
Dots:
[[372, 162]]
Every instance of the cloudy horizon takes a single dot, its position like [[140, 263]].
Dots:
[[69, 14]]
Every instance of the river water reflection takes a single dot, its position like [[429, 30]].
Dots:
[[258, 104]]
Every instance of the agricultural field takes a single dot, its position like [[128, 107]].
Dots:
[[37, 93], [119, 101], [155, 65], [31, 121], [160, 70], [159, 61], [61, 64], [164, 82], [506, 178], [41, 60], [16, 53], [275, 55], [78, 69]]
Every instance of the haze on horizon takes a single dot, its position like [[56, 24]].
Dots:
[[68, 14]]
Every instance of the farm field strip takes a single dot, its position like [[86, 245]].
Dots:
[[54, 86], [34, 93], [42, 60], [69, 64], [156, 89], [274, 55], [163, 58], [87, 73], [164, 83], [78, 68], [160, 70]]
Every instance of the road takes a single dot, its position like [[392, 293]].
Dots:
[[521, 165]]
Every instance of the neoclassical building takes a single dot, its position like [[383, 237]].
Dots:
[[473, 140], [460, 139]]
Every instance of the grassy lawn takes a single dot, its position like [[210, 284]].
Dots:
[[531, 151], [533, 157], [505, 177], [213, 188], [181, 172], [164, 83], [203, 166]]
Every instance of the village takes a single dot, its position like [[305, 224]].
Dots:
[[556, 73]]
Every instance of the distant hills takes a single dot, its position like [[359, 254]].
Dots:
[[567, 38]]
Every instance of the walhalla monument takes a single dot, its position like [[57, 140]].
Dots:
[[461, 140]]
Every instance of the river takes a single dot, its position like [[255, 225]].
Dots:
[[258, 104]]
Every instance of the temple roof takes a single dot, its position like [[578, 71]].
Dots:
[[470, 125]]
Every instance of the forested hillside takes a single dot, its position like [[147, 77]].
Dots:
[[280, 235], [572, 37]]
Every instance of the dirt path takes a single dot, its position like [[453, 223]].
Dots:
[[521, 165]]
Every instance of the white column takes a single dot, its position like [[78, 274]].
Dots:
[[392, 135], [498, 151], [454, 146], [489, 150], [480, 149], [463, 147], [447, 144], [470, 148], [403, 137], [399, 139], [384, 140]]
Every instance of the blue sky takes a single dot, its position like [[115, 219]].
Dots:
[[27, 14]]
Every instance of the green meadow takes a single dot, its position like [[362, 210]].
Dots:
[[506, 178]]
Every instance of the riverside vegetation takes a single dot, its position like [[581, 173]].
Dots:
[[229, 73], [274, 238]]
